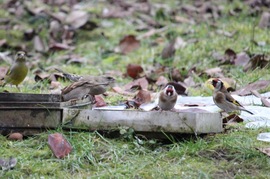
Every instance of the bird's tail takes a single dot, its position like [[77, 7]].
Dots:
[[247, 111]]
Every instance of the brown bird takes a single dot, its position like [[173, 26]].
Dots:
[[167, 98], [87, 85], [18, 71], [223, 99]]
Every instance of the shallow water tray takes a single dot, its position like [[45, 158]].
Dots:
[[28, 113]]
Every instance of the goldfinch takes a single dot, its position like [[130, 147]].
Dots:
[[18, 71], [87, 85], [167, 98], [223, 99]]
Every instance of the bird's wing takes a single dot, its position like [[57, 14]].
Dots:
[[74, 85], [232, 100]]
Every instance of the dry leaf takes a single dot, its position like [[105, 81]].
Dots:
[[99, 101], [143, 96], [265, 20], [264, 101], [141, 82], [77, 18], [258, 85], [39, 44], [7, 164], [128, 44], [242, 59], [265, 150], [256, 61], [59, 145], [162, 81], [169, 50], [134, 70], [214, 72]]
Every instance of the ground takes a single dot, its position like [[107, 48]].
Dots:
[[231, 154]]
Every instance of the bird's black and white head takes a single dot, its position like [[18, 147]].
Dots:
[[218, 84], [109, 79], [20, 56], [169, 90]]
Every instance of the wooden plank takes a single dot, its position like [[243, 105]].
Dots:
[[141, 121], [25, 97], [34, 118]]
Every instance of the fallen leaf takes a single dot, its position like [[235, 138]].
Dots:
[[141, 82], [3, 72], [189, 81], [256, 61], [134, 70], [258, 85], [242, 59], [15, 136], [265, 20], [214, 72], [265, 150], [128, 44], [233, 118], [59, 145], [59, 46], [99, 101], [162, 81], [143, 96], [230, 55], [7, 164], [264, 100], [119, 90], [176, 75], [77, 18], [168, 51], [39, 44]]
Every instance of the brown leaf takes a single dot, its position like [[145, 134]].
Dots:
[[15, 136], [189, 81], [143, 96], [169, 50], [99, 101], [214, 72], [233, 118], [59, 46], [119, 90], [141, 82], [256, 61], [258, 85], [77, 18], [176, 75], [264, 101], [265, 20], [3, 72], [129, 44], [39, 44], [162, 81], [265, 150], [242, 59], [134, 70], [59, 145]]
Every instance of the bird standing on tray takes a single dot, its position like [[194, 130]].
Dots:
[[18, 71], [223, 99], [87, 85], [167, 98]]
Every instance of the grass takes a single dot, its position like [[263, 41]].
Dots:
[[231, 154]]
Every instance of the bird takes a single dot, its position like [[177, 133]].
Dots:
[[223, 99], [87, 85], [167, 98], [18, 71], [71, 77]]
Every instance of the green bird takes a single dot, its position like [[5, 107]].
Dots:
[[18, 71]]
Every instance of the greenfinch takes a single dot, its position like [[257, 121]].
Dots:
[[18, 71], [167, 98], [223, 99]]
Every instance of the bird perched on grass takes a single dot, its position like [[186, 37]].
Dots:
[[167, 98], [18, 71], [87, 85], [223, 99]]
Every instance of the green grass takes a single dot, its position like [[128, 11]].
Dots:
[[231, 154]]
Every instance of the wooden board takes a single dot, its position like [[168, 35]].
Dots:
[[153, 121]]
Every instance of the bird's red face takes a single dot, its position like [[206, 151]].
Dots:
[[218, 84], [214, 82], [169, 90]]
